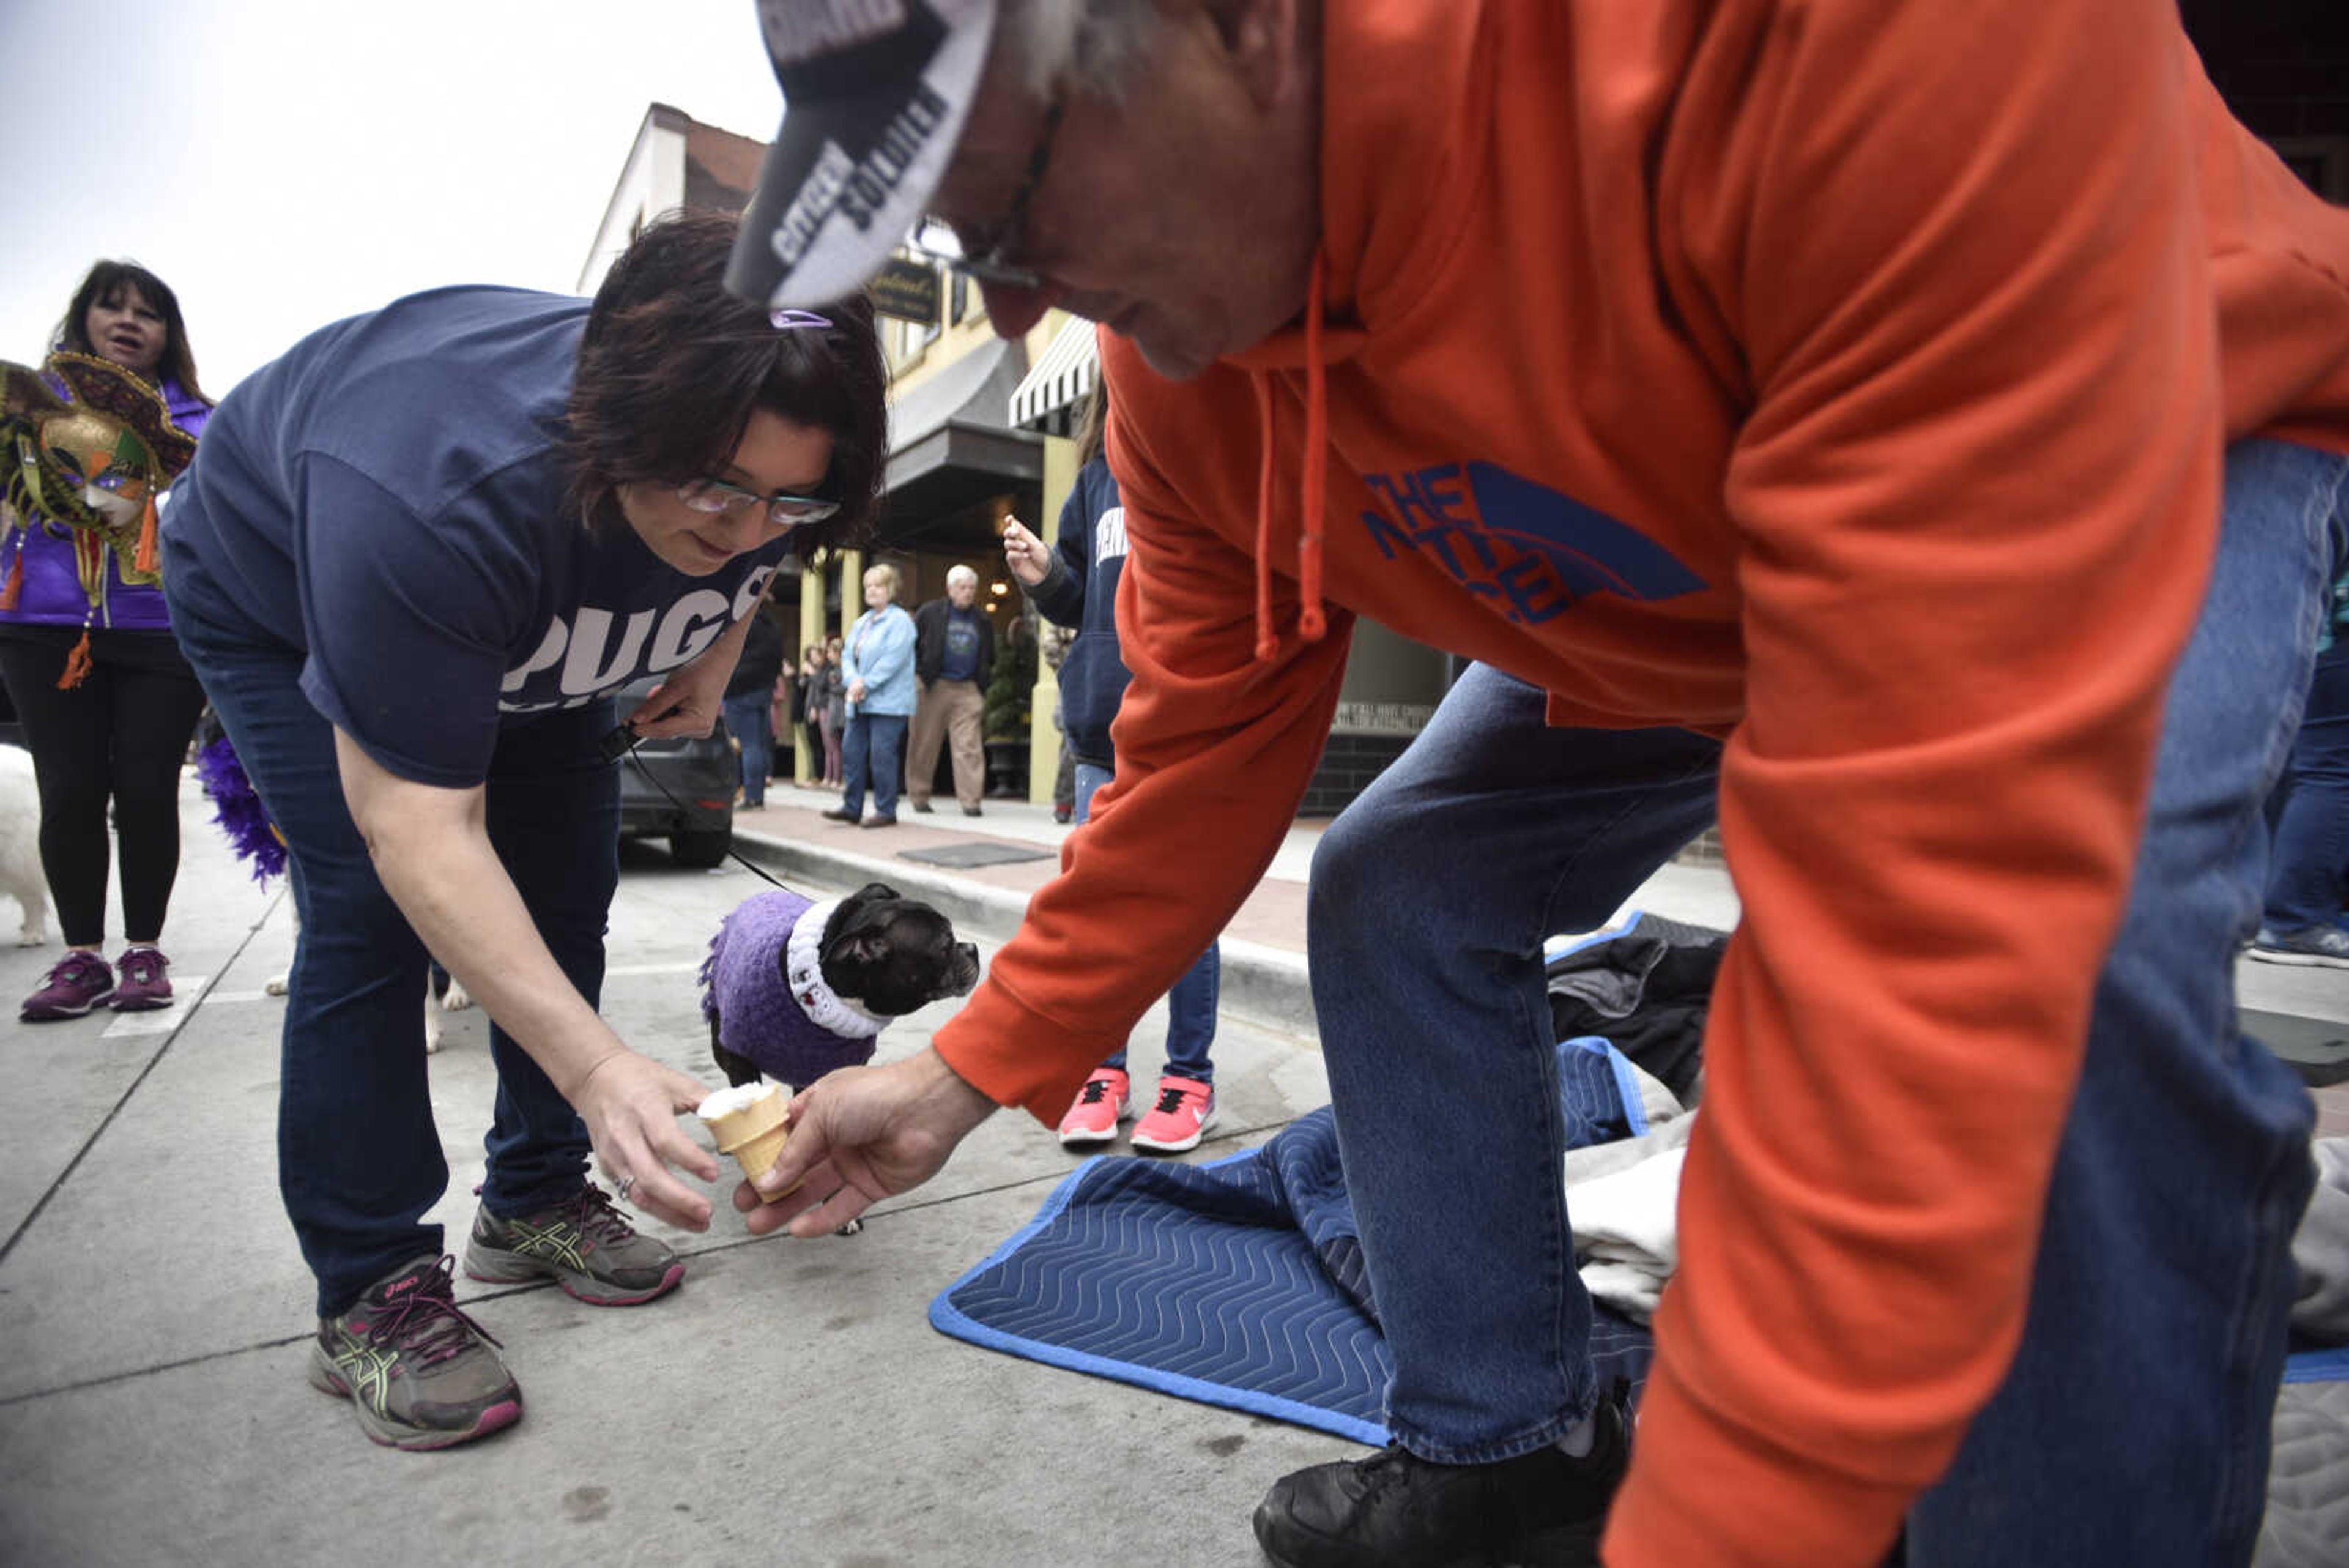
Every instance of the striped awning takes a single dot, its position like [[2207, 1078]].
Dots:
[[1059, 381]]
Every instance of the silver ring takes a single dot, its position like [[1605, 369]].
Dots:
[[620, 1190]]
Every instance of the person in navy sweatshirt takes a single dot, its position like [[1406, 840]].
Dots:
[[1076, 587]]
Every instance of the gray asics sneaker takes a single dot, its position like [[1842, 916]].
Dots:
[[583, 1244], [419, 1372]]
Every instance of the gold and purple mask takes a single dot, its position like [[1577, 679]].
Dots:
[[92, 459]]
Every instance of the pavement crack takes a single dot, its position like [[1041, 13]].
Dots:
[[187, 1014]]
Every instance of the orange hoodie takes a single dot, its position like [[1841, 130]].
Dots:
[[1841, 380]]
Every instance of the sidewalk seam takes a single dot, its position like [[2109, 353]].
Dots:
[[188, 1013]]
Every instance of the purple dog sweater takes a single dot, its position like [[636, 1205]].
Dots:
[[796, 1031]]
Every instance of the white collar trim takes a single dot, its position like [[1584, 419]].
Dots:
[[804, 969]]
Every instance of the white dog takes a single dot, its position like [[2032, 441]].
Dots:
[[21, 876]]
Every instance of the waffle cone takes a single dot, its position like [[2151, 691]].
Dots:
[[755, 1138]]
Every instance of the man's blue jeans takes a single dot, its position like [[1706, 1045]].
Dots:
[[2305, 881], [748, 720], [873, 755], [2132, 1425], [359, 1158], [1191, 1005]]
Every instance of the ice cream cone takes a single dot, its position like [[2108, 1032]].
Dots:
[[752, 1133]]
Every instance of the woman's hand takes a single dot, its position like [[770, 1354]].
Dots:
[[1029, 559], [860, 1135], [686, 702], [630, 1103]]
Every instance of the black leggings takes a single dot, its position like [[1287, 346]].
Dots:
[[120, 736]]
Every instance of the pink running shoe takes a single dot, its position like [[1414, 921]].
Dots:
[[1186, 1110], [76, 984], [145, 979], [1106, 1100]]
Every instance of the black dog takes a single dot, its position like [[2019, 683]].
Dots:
[[794, 989]]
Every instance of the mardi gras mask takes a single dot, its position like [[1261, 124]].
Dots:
[[105, 463], [91, 460]]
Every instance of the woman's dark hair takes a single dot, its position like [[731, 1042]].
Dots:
[[104, 284], [671, 367]]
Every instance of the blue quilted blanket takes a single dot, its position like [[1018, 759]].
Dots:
[[1237, 1284]]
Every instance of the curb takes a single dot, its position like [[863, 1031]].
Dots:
[[1265, 986]]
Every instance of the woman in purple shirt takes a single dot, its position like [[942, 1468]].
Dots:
[[107, 700]]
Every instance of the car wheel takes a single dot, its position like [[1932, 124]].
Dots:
[[700, 846]]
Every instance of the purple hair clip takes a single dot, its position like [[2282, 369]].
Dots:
[[793, 320]]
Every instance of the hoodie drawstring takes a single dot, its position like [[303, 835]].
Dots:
[[1311, 623]]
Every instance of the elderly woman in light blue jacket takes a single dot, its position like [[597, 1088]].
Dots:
[[877, 662]]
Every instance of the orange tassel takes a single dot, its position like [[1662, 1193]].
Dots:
[[145, 559], [14, 588], [77, 664]]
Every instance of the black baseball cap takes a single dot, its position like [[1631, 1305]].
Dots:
[[875, 93]]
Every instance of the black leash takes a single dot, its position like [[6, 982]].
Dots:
[[621, 744]]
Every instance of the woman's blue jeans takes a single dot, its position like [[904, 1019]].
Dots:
[[358, 1158], [749, 721], [2305, 882], [2132, 1425], [1191, 1005], [873, 756]]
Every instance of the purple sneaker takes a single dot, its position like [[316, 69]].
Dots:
[[78, 982], [146, 980]]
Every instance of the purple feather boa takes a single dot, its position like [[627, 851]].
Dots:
[[239, 811]]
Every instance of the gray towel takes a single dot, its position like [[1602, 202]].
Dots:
[[2321, 1249]]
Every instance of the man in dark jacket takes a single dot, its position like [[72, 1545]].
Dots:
[[954, 655]]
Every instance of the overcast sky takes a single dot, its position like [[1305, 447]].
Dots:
[[282, 164]]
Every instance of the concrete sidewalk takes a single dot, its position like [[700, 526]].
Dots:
[[790, 1402]]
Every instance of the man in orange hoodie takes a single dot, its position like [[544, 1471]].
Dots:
[[1914, 434]]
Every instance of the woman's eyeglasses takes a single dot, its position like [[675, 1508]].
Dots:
[[783, 509]]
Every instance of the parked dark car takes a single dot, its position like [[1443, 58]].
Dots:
[[679, 787]]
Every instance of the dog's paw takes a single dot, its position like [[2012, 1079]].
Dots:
[[854, 1228], [433, 1040], [276, 984], [31, 938], [458, 999]]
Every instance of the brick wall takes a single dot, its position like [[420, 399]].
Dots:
[[1347, 765]]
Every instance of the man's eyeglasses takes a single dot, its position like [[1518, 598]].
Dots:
[[783, 509], [988, 256]]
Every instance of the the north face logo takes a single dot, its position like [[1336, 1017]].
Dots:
[[1536, 552]]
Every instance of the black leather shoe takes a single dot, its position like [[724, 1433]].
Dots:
[[970, 810], [923, 807], [838, 814], [880, 821], [1542, 1510]]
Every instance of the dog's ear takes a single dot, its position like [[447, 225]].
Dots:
[[873, 890]]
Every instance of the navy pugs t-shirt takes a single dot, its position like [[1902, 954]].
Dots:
[[389, 498]]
